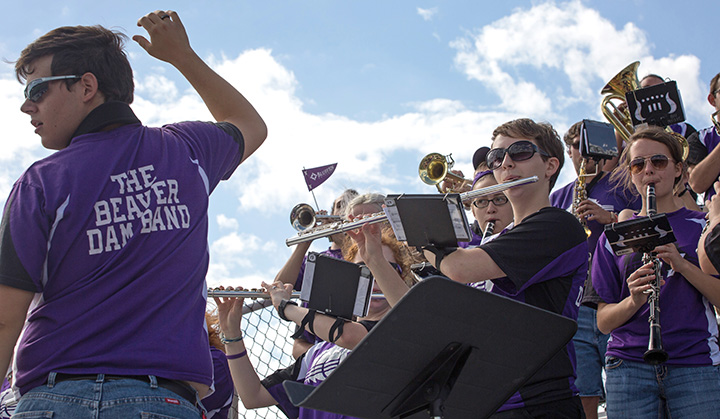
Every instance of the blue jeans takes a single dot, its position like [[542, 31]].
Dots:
[[639, 390], [590, 345], [103, 399]]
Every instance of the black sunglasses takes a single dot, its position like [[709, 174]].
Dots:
[[518, 151], [37, 88], [659, 161], [483, 203]]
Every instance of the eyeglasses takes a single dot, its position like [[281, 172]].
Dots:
[[37, 88], [659, 161], [518, 151], [497, 201]]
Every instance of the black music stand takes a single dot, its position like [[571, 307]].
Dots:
[[445, 350]]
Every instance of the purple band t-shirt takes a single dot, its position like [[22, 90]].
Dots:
[[111, 233]]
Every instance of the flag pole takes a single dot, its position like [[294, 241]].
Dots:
[[313, 195]]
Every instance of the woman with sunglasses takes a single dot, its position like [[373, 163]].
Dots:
[[688, 384], [541, 260], [389, 261]]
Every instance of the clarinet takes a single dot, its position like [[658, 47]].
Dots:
[[655, 354], [489, 229]]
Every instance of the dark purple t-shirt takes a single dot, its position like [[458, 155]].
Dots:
[[111, 233]]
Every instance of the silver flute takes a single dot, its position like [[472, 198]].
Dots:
[[257, 294], [327, 230]]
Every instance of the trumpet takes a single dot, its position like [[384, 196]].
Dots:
[[326, 230], [303, 216], [435, 168], [257, 294]]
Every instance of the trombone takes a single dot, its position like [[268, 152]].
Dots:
[[435, 168], [303, 216], [326, 230]]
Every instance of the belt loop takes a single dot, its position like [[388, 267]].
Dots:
[[100, 378], [199, 404], [153, 382], [51, 379]]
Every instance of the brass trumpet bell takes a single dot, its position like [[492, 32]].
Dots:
[[435, 168], [303, 217]]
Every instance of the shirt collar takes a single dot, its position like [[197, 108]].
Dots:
[[109, 113]]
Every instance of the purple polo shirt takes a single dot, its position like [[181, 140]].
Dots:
[[111, 233]]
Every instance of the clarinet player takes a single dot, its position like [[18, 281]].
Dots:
[[688, 383]]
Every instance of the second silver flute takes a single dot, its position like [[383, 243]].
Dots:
[[327, 230], [257, 294]]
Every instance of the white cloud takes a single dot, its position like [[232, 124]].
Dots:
[[227, 223], [427, 14], [569, 38]]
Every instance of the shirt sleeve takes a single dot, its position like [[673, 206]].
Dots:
[[607, 280], [218, 147], [533, 245], [273, 384], [697, 151], [712, 247], [21, 261]]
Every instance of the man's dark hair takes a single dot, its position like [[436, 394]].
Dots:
[[77, 50], [714, 83], [573, 132], [544, 135]]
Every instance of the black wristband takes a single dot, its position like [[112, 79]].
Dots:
[[281, 309], [440, 253]]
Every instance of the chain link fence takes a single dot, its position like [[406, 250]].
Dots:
[[269, 346]]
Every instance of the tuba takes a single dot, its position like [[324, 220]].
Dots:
[[435, 168], [617, 114]]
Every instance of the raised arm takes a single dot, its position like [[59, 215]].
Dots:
[[247, 383], [169, 42], [706, 172]]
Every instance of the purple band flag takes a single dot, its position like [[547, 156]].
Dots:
[[315, 176]]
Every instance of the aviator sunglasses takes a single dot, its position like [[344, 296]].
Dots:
[[659, 161], [37, 88], [518, 151]]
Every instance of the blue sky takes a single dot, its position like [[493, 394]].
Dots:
[[373, 86]]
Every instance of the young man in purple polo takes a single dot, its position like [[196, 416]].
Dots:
[[104, 243]]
